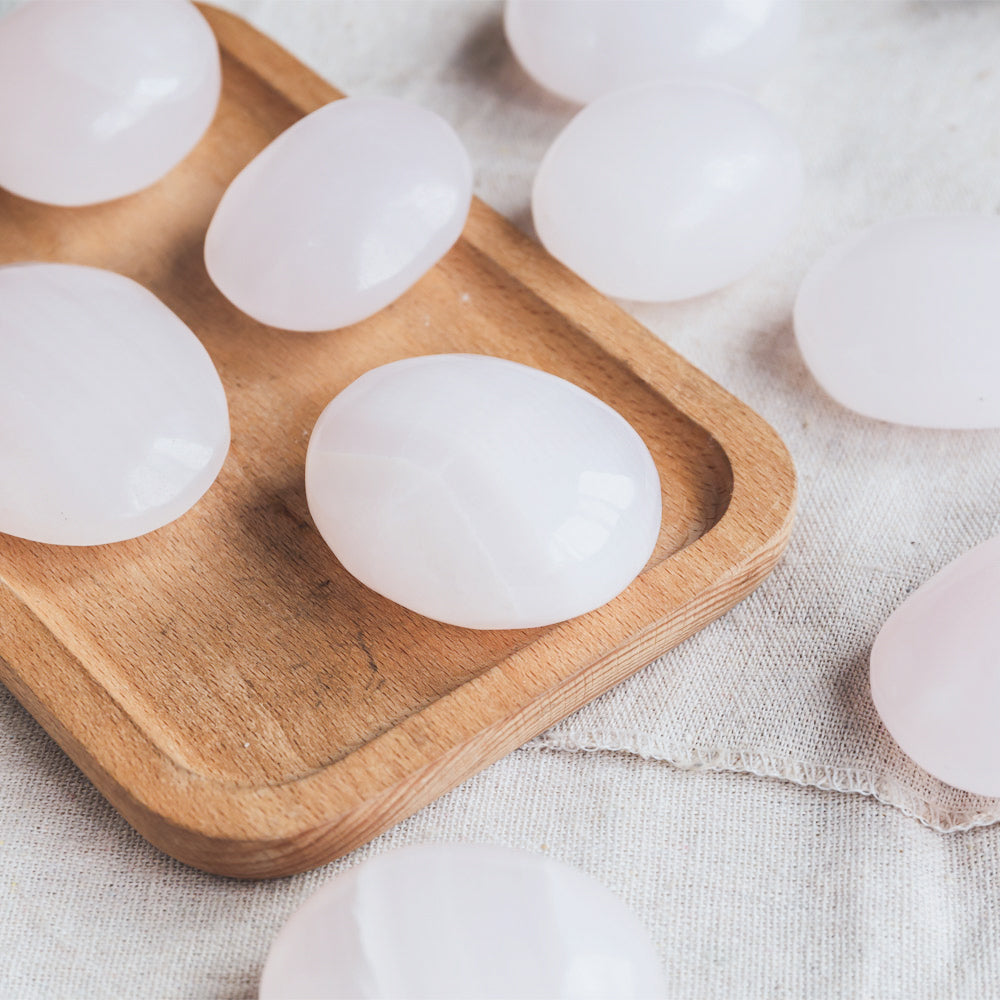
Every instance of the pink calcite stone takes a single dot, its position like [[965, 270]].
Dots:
[[100, 98], [935, 672], [583, 49], [668, 190], [481, 492], [340, 215], [462, 922], [899, 322]]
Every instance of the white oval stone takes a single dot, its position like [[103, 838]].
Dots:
[[340, 215], [899, 322], [100, 98], [935, 672], [667, 191], [583, 49], [481, 492], [115, 419], [462, 922]]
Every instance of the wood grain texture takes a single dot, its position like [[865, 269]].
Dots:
[[249, 707]]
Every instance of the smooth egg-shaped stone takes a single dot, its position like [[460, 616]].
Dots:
[[462, 922], [900, 322], [341, 214], [100, 98], [583, 49], [481, 492], [667, 191], [935, 672], [114, 419]]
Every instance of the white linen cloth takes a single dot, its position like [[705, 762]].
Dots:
[[750, 887]]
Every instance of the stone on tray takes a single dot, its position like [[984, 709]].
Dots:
[[100, 98], [935, 672], [667, 191], [114, 419], [340, 215], [462, 922], [482, 493], [583, 49], [900, 322]]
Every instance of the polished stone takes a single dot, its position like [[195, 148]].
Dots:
[[462, 922], [935, 672], [114, 419], [481, 492], [583, 49], [100, 98], [667, 191], [899, 322], [340, 215]]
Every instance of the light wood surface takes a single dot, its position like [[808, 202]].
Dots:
[[249, 707]]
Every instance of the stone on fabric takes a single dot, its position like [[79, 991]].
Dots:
[[482, 493], [340, 215], [462, 922], [583, 49], [900, 322], [100, 98], [667, 191], [114, 421], [935, 672]]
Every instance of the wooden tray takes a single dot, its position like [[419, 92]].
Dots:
[[244, 703]]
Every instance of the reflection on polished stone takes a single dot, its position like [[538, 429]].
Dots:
[[114, 421], [481, 492], [667, 190], [340, 215], [100, 98]]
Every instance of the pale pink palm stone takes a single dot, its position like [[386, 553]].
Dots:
[[462, 922], [583, 49], [935, 672], [340, 215], [899, 322], [101, 98]]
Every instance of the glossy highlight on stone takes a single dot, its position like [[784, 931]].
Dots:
[[935, 672], [667, 191], [899, 322], [583, 49], [101, 98], [462, 922], [340, 215], [481, 492], [114, 419]]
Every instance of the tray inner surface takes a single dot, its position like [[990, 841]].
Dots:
[[234, 636]]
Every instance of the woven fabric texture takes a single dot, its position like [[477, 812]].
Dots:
[[750, 888]]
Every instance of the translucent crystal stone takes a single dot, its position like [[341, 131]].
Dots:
[[935, 672], [462, 922], [99, 98], [582, 49], [667, 191], [115, 421], [481, 492], [899, 322], [340, 215]]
